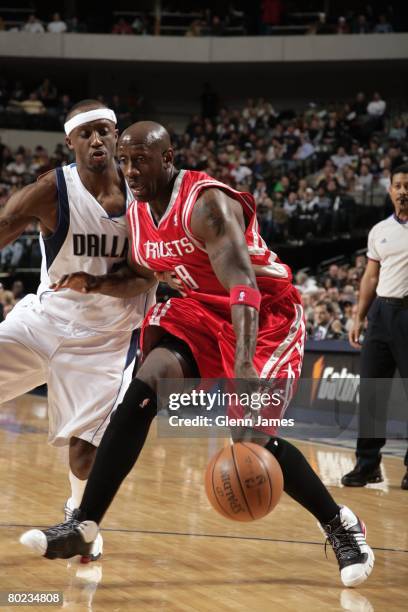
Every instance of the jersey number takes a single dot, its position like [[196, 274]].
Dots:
[[186, 277]]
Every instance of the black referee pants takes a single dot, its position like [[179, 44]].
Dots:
[[385, 349]]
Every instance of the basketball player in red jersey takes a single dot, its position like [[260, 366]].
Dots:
[[240, 317]]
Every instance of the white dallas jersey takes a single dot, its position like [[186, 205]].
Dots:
[[88, 240]]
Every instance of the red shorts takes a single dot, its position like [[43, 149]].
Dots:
[[208, 331]]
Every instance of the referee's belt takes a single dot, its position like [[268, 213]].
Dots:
[[400, 302]]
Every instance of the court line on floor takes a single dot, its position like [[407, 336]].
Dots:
[[204, 535]]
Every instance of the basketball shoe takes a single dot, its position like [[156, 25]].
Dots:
[[360, 476], [74, 537], [346, 534], [97, 546]]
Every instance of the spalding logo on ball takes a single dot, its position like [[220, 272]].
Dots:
[[244, 481]]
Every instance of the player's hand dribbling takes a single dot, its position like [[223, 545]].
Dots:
[[78, 281], [172, 280], [355, 332]]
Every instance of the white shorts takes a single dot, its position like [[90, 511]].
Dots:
[[87, 372]]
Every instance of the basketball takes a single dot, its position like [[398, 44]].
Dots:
[[244, 482]]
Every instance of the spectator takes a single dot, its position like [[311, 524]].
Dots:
[[326, 327], [265, 212], [57, 26], [18, 166], [33, 106], [376, 108], [341, 158], [342, 26], [122, 27], [6, 301], [291, 204], [361, 26], [139, 25], [195, 28], [305, 149], [383, 26], [217, 26], [33, 25], [365, 180], [17, 289], [76, 26], [241, 173], [271, 15], [385, 179], [280, 220], [398, 131], [304, 283], [11, 255]]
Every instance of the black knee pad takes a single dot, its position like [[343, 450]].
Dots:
[[183, 353]]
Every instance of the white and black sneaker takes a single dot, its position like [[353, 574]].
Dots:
[[97, 546], [347, 536], [63, 541]]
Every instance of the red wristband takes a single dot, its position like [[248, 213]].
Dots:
[[242, 294]]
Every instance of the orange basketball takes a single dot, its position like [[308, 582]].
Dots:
[[244, 481]]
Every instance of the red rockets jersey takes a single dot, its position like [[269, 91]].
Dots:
[[171, 246]]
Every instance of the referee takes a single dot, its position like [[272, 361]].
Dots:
[[384, 297]]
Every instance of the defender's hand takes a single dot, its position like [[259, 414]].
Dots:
[[78, 281]]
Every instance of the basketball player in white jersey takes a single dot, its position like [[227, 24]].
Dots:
[[82, 345]]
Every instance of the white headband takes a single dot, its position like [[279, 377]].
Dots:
[[92, 115]]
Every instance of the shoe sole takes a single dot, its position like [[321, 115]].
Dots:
[[94, 557], [362, 484], [90, 558], [368, 568]]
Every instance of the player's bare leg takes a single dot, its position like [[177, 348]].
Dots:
[[81, 458]]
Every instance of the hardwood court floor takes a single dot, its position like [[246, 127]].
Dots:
[[166, 549]]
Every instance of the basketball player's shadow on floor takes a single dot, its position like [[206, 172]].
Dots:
[[355, 602], [83, 584]]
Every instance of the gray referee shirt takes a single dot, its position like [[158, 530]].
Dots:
[[388, 244]]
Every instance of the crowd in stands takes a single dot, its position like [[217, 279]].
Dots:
[[10, 297], [221, 18], [316, 175], [330, 298], [320, 173], [43, 107]]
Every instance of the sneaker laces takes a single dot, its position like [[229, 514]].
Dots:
[[343, 542], [63, 528], [68, 513]]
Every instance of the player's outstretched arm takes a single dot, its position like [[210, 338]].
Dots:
[[127, 281], [34, 202], [218, 221]]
